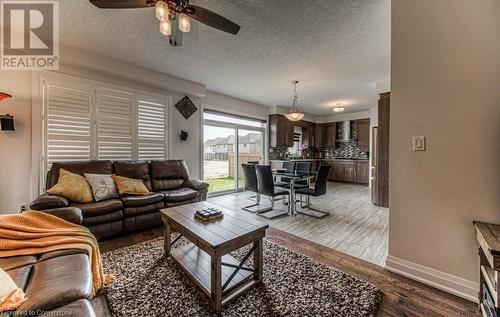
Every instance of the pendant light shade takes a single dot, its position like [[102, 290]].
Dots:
[[161, 11], [184, 23], [295, 113]]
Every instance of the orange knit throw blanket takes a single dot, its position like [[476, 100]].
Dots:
[[34, 232]]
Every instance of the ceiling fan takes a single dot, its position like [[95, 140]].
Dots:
[[174, 16]]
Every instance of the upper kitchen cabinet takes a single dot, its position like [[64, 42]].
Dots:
[[280, 131], [319, 135], [363, 133], [330, 134]]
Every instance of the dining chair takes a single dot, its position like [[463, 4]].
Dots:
[[285, 181], [251, 185], [267, 187], [318, 190]]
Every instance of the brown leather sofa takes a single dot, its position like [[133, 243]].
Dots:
[[57, 283], [167, 180]]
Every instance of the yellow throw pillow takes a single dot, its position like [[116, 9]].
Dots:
[[11, 296], [130, 186], [72, 186]]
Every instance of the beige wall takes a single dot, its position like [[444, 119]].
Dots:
[[445, 86], [15, 147]]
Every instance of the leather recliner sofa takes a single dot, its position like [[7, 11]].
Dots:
[[167, 180], [57, 283]]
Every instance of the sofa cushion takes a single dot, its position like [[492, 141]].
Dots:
[[180, 194], [104, 218], [80, 308], [138, 201], [47, 201], [57, 282], [133, 169], [168, 174], [99, 207], [80, 168], [13, 262]]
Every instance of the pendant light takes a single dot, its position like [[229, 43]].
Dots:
[[295, 113]]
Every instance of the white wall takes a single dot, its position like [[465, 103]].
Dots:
[[15, 146], [445, 86], [16, 170]]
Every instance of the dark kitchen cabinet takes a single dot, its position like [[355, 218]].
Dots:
[[362, 172], [363, 133], [319, 136], [330, 133], [352, 171], [308, 135], [280, 131]]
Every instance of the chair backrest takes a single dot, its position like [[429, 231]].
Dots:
[[321, 180], [289, 166], [253, 162], [250, 177], [265, 180], [303, 166]]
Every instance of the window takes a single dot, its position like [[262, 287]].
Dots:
[[84, 120]]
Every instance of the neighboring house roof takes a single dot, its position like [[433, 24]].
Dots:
[[249, 138]]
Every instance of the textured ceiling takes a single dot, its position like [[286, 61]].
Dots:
[[338, 50]]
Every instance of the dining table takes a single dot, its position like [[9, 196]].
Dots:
[[294, 176]]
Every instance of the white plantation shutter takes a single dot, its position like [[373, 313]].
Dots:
[[88, 120], [151, 130], [114, 124], [68, 115]]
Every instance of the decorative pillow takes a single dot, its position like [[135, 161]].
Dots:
[[11, 296], [130, 186], [72, 186], [103, 186]]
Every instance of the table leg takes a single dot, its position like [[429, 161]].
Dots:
[[167, 231], [216, 283], [258, 261]]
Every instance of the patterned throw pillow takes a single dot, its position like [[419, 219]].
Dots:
[[130, 186], [103, 186], [72, 186]]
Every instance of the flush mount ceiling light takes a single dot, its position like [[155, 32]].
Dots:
[[338, 108], [295, 113], [174, 16]]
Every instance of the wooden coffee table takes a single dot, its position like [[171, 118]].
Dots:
[[206, 260]]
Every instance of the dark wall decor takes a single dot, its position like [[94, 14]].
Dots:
[[186, 107], [184, 135]]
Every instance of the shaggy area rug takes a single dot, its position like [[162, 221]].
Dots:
[[147, 284]]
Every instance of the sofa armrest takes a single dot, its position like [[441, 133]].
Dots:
[[70, 214], [48, 201], [196, 184]]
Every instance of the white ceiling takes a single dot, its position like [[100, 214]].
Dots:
[[338, 50]]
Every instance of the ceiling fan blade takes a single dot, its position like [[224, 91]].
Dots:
[[120, 4], [212, 19]]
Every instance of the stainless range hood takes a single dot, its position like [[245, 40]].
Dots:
[[345, 131]]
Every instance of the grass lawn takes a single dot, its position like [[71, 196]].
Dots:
[[221, 184]]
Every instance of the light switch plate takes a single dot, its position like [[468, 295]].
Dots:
[[419, 143]]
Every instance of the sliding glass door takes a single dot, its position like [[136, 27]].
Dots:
[[228, 142], [218, 151]]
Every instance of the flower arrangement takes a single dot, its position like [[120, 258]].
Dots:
[[303, 147]]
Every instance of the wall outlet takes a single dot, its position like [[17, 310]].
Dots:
[[22, 207]]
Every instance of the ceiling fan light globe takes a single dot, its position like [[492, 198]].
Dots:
[[161, 11], [338, 109], [184, 23], [295, 116], [166, 28]]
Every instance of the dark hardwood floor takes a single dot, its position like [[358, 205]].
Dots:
[[401, 296]]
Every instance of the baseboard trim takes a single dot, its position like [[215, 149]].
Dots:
[[438, 279]]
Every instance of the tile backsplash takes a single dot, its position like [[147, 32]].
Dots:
[[347, 149]]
